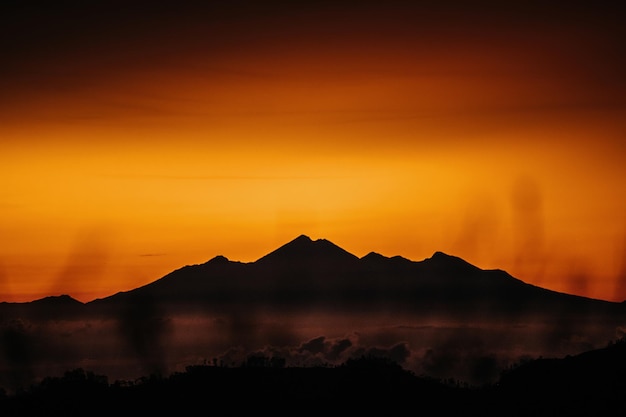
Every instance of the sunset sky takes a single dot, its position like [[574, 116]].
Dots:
[[137, 138]]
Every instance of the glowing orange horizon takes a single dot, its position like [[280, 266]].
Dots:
[[235, 137]]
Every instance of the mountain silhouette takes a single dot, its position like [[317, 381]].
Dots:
[[313, 274], [310, 274]]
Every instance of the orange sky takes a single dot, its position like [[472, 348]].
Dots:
[[135, 140]]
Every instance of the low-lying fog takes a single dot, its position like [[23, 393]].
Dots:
[[473, 352]]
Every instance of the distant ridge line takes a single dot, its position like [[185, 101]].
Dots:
[[304, 271]]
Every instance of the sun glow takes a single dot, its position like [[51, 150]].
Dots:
[[403, 140]]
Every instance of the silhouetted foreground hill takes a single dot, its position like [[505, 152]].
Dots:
[[589, 384], [592, 383], [359, 385]]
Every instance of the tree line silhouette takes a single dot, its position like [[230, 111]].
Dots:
[[592, 383]]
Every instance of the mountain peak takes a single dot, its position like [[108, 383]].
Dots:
[[373, 256], [63, 299], [443, 260], [302, 238], [303, 248]]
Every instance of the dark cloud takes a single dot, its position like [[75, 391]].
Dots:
[[398, 353], [72, 40], [319, 351], [338, 348], [314, 346]]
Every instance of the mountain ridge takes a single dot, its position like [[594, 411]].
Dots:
[[304, 259], [317, 274], [318, 271]]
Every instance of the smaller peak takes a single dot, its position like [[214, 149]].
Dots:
[[400, 258], [219, 259], [440, 258], [57, 299], [444, 257], [374, 256]]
